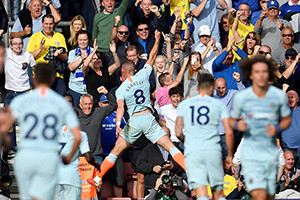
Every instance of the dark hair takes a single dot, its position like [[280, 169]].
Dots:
[[81, 32], [10, 42], [44, 73], [176, 90], [257, 39], [246, 66], [205, 81], [162, 78], [245, 3], [68, 95], [48, 16]]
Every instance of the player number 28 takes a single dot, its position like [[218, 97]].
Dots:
[[49, 131], [202, 114]]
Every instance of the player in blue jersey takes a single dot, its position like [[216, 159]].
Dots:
[[265, 113], [40, 113], [135, 93], [200, 117]]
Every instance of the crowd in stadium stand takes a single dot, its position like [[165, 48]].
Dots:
[[197, 37]]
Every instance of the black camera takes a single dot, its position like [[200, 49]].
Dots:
[[175, 180]]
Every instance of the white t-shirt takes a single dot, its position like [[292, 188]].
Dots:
[[16, 70]]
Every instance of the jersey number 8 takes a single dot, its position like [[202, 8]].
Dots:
[[139, 96]]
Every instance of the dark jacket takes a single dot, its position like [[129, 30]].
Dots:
[[3, 18]]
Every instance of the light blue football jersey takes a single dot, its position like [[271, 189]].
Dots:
[[258, 113], [68, 174], [201, 118], [135, 91], [41, 113]]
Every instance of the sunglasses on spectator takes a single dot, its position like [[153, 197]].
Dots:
[[143, 29], [263, 53], [123, 32], [287, 35], [252, 38], [290, 57], [264, 1]]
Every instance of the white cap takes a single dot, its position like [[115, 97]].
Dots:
[[204, 30]]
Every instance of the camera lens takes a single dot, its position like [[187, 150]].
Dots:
[[165, 179]]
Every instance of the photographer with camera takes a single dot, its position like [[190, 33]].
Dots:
[[152, 160], [168, 186]]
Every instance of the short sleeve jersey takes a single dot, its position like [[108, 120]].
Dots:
[[68, 174], [258, 113], [41, 113], [57, 40], [135, 91], [201, 118]]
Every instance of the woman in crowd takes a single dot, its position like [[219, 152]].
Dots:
[[77, 24], [160, 66], [77, 86], [192, 74], [96, 72]]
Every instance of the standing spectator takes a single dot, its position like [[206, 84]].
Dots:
[[104, 21], [3, 20], [77, 24], [254, 4], [270, 27], [224, 30], [45, 10], [77, 86], [289, 137], [205, 13], [242, 21], [160, 66], [30, 22], [287, 37], [255, 15], [208, 47], [291, 6], [96, 72], [148, 14], [224, 67], [50, 46], [120, 36], [195, 68], [18, 66]]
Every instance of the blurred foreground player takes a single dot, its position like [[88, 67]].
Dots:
[[135, 92], [40, 113], [261, 107], [200, 116]]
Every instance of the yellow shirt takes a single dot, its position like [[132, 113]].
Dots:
[[57, 40], [183, 5], [228, 186], [243, 30]]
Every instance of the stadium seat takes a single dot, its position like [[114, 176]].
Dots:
[[107, 189]]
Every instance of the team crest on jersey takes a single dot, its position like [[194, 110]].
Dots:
[[56, 43], [272, 105], [250, 115], [114, 120], [24, 65]]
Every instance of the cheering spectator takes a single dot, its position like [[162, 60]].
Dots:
[[77, 24], [45, 9], [255, 15], [148, 14], [159, 67], [3, 20], [50, 46], [30, 22], [104, 21], [224, 30], [254, 4], [77, 86], [207, 46], [205, 13], [270, 27], [224, 67], [96, 73], [287, 36], [192, 74]]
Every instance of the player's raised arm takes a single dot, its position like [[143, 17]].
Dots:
[[154, 49], [77, 138], [178, 128], [119, 115]]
